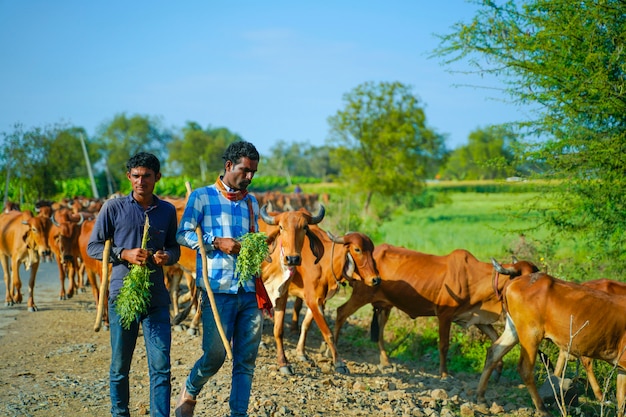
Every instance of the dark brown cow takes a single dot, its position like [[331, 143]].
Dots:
[[23, 240], [92, 268], [581, 320], [455, 288], [63, 240], [287, 241], [350, 257], [610, 287]]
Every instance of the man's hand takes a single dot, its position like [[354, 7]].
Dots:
[[227, 245], [135, 256], [160, 258]]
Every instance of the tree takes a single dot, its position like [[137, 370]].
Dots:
[[125, 136], [198, 152], [566, 58], [383, 145], [488, 155]]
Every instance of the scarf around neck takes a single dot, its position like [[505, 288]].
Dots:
[[231, 195]]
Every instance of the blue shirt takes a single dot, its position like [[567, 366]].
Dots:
[[122, 220], [217, 217]]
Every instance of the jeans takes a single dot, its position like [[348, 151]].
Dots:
[[243, 325], [157, 335]]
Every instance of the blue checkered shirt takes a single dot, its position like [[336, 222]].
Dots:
[[217, 217]]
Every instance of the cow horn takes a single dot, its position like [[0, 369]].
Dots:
[[54, 222], [82, 219], [266, 217], [514, 258], [501, 269], [336, 239], [316, 218]]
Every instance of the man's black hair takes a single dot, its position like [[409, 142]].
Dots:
[[240, 149], [144, 159]]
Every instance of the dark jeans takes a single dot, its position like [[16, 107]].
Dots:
[[157, 335], [243, 325]]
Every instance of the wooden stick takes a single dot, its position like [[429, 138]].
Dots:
[[209, 291], [104, 284]]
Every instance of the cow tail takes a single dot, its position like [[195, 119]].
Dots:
[[374, 327], [182, 315]]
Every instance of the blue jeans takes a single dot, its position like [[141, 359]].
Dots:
[[157, 335], [243, 325]]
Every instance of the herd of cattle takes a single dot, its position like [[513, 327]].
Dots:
[[586, 321]]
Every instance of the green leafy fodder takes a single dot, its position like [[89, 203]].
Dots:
[[254, 250], [135, 295]]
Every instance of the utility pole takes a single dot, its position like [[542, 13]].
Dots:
[[94, 189]]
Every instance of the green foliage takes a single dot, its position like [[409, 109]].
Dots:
[[488, 155], [253, 252], [198, 152], [566, 59], [125, 136], [383, 143], [79, 186], [134, 296], [298, 159]]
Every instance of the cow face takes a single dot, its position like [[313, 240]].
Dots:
[[36, 236], [359, 261], [293, 227], [65, 232]]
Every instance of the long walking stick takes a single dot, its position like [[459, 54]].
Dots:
[[104, 284], [209, 291]]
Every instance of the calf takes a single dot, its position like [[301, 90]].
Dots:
[[578, 319]]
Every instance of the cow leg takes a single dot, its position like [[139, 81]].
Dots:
[[32, 307], [383, 317], [91, 278], [16, 282], [491, 333], [71, 278], [306, 324], [526, 369], [318, 315], [6, 271], [495, 353], [347, 309], [591, 377], [279, 318], [295, 316], [444, 345], [62, 294]]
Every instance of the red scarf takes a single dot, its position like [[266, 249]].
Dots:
[[231, 195]]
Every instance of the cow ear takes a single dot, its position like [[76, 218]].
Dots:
[[349, 267], [271, 241], [316, 245]]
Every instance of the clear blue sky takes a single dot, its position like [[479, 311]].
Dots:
[[266, 70]]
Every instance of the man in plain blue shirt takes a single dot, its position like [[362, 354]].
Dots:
[[122, 220]]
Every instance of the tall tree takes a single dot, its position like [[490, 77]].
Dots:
[[489, 154], [383, 144], [567, 59], [125, 136], [197, 153]]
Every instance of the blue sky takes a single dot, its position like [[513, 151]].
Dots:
[[268, 71]]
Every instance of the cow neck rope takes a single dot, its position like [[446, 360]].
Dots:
[[332, 258], [494, 280]]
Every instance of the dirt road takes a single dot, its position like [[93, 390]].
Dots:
[[54, 364]]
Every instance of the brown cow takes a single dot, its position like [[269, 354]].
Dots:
[[610, 287], [23, 240], [287, 241], [456, 288], [92, 268], [581, 320], [63, 240], [349, 257]]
